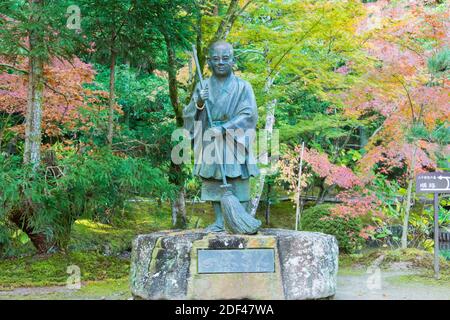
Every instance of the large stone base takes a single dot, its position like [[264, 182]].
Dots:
[[165, 265]]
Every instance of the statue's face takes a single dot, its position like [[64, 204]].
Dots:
[[221, 61]]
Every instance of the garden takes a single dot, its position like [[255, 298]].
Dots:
[[353, 97]]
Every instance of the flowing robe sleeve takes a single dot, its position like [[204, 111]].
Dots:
[[246, 114], [245, 117], [192, 114], [241, 111]]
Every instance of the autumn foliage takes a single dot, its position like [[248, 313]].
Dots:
[[65, 93], [401, 90]]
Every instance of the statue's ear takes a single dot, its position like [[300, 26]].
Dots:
[[208, 60], [233, 63]]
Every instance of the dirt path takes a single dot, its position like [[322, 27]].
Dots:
[[389, 285]]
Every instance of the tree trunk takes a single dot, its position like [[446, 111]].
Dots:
[[33, 117], [270, 120], [179, 208], [408, 199], [323, 193], [178, 205], [173, 86], [269, 187], [299, 188], [38, 239], [112, 87]]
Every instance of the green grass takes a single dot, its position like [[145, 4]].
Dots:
[[114, 238], [111, 289], [425, 277]]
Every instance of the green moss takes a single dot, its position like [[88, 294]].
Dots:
[[345, 271], [112, 289], [426, 277], [418, 258], [52, 270], [94, 245], [282, 215], [415, 257], [137, 218], [199, 215]]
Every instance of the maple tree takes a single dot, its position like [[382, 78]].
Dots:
[[406, 90], [64, 93]]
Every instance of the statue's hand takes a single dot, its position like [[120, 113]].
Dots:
[[203, 95]]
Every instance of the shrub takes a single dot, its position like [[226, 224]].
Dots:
[[346, 230], [46, 202]]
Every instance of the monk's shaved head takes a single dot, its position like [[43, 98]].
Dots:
[[220, 59], [222, 44]]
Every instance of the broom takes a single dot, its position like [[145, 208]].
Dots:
[[236, 217]]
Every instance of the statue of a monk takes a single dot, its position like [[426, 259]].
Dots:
[[232, 105]]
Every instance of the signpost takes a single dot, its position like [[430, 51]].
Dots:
[[434, 182]]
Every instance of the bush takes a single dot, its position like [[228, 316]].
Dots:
[[346, 231], [45, 203]]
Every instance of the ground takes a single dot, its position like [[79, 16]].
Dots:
[[393, 285], [353, 284], [102, 252]]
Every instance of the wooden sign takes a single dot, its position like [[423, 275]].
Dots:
[[433, 182]]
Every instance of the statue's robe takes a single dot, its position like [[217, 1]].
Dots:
[[232, 107]]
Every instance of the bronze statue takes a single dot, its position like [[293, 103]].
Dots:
[[232, 105]]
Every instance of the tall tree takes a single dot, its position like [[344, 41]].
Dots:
[[32, 152], [33, 32], [36, 30], [111, 27]]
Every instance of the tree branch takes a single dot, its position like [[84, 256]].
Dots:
[[9, 66], [295, 44]]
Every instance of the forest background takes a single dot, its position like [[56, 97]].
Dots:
[[91, 91]]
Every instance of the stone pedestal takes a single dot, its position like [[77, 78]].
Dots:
[[273, 264]]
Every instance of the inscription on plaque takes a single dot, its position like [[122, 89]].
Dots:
[[236, 260], [433, 182]]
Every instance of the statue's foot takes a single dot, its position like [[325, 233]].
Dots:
[[215, 228]]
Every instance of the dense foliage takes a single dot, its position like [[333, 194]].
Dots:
[[91, 186], [346, 230], [86, 114]]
